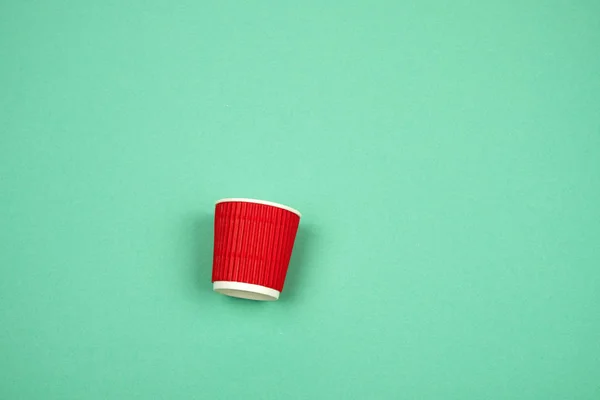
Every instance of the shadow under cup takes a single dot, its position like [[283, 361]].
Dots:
[[253, 246]]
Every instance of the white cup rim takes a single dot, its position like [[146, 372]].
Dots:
[[245, 290], [255, 201]]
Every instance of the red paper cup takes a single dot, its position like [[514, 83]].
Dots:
[[253, 247]]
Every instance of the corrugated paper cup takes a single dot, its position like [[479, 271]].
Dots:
[[253, 247]]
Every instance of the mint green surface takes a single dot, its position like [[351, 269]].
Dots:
[[445, 157]]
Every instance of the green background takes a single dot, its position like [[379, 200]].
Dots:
[[445, 157]]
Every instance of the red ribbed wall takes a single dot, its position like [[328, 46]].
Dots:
[[253, 243]]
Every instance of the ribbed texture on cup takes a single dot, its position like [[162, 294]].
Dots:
[[253, 243]]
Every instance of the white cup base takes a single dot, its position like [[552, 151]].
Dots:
[[245, 290]]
